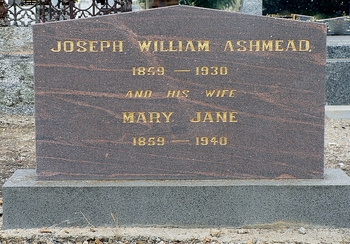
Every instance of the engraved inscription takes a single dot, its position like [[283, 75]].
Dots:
[[146, 117], [177, 93], [174, 46], [196, 94], [211, 117], [220, 93], [148, 70], [212, 70], [267, 45], [205, 140], [92, 46], [148, 141]]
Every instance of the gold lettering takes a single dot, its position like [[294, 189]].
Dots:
[[304, 45], [155, 46], [219, 93], [278, 44], [208, 117], [185, 93], [92, 46], [129, 94], [209, 93], [148, 93], [232, 117], [162, 49], [171, 48], [291, 45], [232, 93], [141, 118], [190, 46], [177, 93], [117, 46], [256, 45], [171, 94], [198, 118], [144, 46], [81, 46], [223, 92], [241, 47], [138, 93], [128, 117], [104, 44], [71, 46], [174, 46], [203, 46], [229, 46], [167, 116], [154, 115], [221, 116], [58, 47], [180, 46], [267, 45]]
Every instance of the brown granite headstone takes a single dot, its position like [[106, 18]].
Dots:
[[179, 93]]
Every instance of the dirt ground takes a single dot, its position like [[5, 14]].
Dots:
[[17, 150], [17, 147]]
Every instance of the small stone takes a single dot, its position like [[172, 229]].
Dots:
[[302, 231], [206, 240], [215, 233], [45, 230], [242, 231]]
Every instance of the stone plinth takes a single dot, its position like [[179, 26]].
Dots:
[[214, 203]]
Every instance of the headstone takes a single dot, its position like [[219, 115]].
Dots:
[[337, 70], [178, 116], [179, 93]]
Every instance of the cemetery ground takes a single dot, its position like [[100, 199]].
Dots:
[[17, 150]]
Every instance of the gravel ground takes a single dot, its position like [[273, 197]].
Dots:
[[17, 150]]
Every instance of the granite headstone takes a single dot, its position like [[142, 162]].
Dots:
[[179, 93]]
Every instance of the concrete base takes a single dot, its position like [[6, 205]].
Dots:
[[28, 203]]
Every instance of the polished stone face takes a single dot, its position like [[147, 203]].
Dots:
[[179, 93]]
